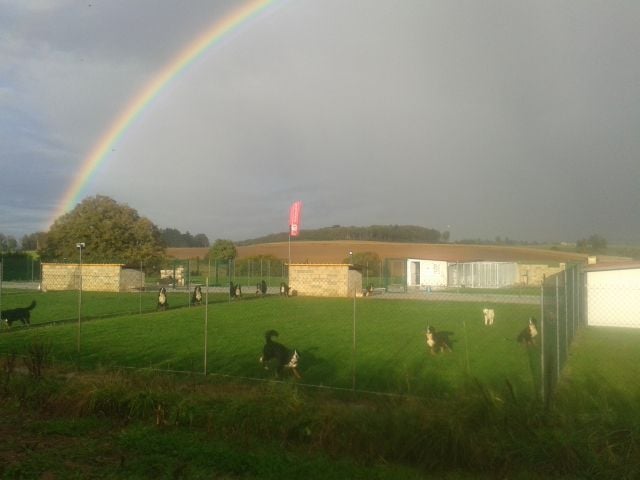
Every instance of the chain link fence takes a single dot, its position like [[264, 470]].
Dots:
[[562, 313], [561, 299], [19, 267]]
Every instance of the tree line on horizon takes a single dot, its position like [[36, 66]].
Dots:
[[374, 233], [115, 232]]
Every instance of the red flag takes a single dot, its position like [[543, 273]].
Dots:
[[294, 218]]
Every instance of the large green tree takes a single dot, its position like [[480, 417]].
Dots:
[[223, 250], [111, 232]]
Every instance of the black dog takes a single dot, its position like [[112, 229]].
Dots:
[[528, 335], [283, 357], [163, 301], [261, 288], [196, 298], [21, 314], [284, 289], [234, 290], [437, 341]]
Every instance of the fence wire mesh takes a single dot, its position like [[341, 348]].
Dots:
[[562, 314], [560, 300]]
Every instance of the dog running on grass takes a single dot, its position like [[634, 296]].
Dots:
[[489, 315], [196, 298], [281, 355], [163, 301], [437, 341], [20, 314], [528, 335]]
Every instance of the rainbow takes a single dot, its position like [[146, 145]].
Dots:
[[134, 108]]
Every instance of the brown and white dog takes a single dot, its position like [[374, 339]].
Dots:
[[528, 335], [437, 341], [489, 316], [274, 352]]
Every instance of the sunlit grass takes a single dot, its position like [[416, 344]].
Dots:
[[388, 352]]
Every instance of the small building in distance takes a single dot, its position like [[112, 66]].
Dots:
[[110, 277], [426, 273], [325, 280]]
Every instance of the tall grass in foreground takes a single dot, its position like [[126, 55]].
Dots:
[[479, 432]]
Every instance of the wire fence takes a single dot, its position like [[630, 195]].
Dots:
[[374, 345], [561, 301], [562, 313]]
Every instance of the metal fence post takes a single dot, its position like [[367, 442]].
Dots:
[[1, 267], [542, 345], [566, 316], [206, 323], [557, 330], [353, 379]]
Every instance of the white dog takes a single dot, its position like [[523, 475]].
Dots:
[[489, 315]]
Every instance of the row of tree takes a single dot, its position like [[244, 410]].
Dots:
[[108, 232], [375, 233], [175, 238]]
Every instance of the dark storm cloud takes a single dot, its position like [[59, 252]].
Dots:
[[512, 119]]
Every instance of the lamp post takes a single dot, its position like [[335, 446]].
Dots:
[[79, 246], [351, 257]]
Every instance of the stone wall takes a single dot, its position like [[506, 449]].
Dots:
[[324, 280], [534, 274], [95, 277]]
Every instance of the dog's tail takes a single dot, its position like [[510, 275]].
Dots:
[[32, 306], [270, 333]]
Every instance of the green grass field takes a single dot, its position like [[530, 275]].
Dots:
[[389, 353], [470, 413]]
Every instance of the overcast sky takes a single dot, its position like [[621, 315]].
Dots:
[[488, 118]]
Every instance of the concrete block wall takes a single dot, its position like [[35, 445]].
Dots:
[[534, 274], [324, 280], [95, 277]]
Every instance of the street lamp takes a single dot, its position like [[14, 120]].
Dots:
[[351, 257], [79, 246]]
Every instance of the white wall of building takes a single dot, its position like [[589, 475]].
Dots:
[[426, 273], [613, 297]]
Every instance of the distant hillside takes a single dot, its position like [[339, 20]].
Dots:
[[374, 233]]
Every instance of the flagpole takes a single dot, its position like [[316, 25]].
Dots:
[[294, 224], [289, 264]]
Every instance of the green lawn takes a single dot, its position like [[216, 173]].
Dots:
[[456, 428], [389, 353]]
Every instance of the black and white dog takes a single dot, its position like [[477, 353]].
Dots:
[[20, 314], [163, 301], [437, 341], [235, 291], [196, 298], [284, 289], [528, 335], [279, 354], [261, 288]]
